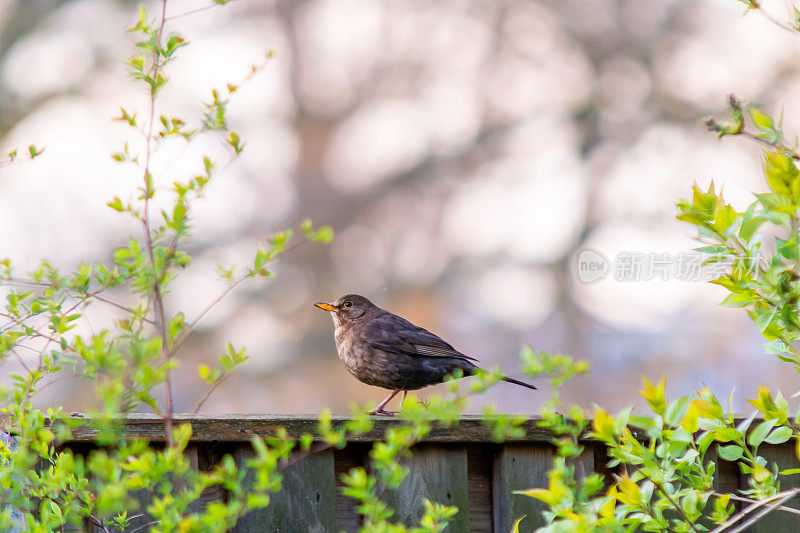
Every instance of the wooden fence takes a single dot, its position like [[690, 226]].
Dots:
[[460, 465]]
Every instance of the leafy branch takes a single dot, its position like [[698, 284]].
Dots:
[[755, 5], [769, 133]]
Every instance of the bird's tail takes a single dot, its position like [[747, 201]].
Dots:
[[518, 382]]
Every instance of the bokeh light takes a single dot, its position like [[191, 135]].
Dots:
[[465, 153]]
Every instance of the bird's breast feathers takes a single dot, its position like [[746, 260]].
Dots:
[[344, 342]]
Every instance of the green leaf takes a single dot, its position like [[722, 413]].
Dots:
[[779, 435], [682, 436], [677, 410], [714, 249], [726, 434], [235, 142], [726, 217], [764, 318], [750, 226], [758, 435], [732, 452], [739, 300], [781, 174], [744, 425], [116, 204], [655, 395], [693, 217], [760, 118], [787, 248], [773, 201], [34, 152], [323, 234], [776, 347]]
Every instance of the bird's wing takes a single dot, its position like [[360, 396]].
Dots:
[[395, 334]]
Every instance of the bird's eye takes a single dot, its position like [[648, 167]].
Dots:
[[348, 303]]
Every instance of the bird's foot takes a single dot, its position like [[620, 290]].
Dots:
[[382, 411]]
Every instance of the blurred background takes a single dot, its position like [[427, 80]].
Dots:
[[466, 153]]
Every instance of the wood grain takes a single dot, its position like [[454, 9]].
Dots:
[[438, 473], [520, 467], [480, 458], [306, 502], [241, 428], [459, 465], [351, 456]]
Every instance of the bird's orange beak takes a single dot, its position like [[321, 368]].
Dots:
[[325, 307]]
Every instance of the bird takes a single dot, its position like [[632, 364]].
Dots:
[[385, 350]]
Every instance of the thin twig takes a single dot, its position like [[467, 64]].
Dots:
[[158, 297], [192, 12], [31, 348], [16, 321], [764, 512], [208, 392], [88, 296], [778, 146], [140, 528], [204, 312], [781, 496], [80, 301], [121, 307], [672, 502], [98, 523], [775, 20], [59, 380], [19, 358], [18, 281], [713, 125], [751, 500]]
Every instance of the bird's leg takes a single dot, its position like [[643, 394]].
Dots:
[[378, 410], [403, 399]]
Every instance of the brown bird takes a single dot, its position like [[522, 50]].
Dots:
[[385, 350]]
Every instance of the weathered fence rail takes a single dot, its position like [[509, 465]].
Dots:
[[459, 465]]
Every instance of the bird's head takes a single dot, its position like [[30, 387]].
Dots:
[[348, 308]]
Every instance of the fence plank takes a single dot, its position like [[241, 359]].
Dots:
[[241, 428], [520, 467], [208, 457], [726, 481], [351, 456], [778, 520], [438, 473], [306, 502], [479, 473]]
